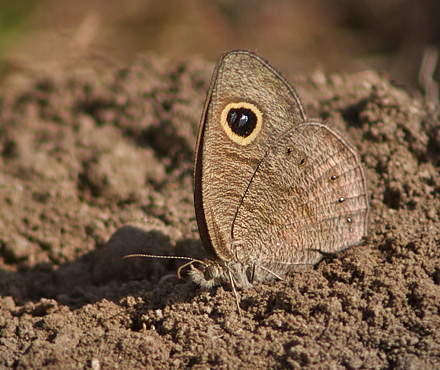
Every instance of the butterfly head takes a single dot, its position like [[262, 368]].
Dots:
[[213, 273]]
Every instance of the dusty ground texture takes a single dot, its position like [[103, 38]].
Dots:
[[95, 166]]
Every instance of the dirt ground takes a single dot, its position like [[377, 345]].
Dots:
[[96, 166]]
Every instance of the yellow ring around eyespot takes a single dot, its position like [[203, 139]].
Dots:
[[231, 134]]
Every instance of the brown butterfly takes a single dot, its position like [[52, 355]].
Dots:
[[272, 189]]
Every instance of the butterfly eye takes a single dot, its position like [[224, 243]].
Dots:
[[333, 178]]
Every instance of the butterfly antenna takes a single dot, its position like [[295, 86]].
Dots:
[[190, 259]]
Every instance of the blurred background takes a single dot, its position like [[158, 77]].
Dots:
[[398, 37]]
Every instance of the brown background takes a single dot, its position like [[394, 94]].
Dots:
[[297, 36]]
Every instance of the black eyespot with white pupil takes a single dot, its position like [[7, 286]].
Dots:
[[242, 121]]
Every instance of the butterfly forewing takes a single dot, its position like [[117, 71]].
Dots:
[[244, 87]]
